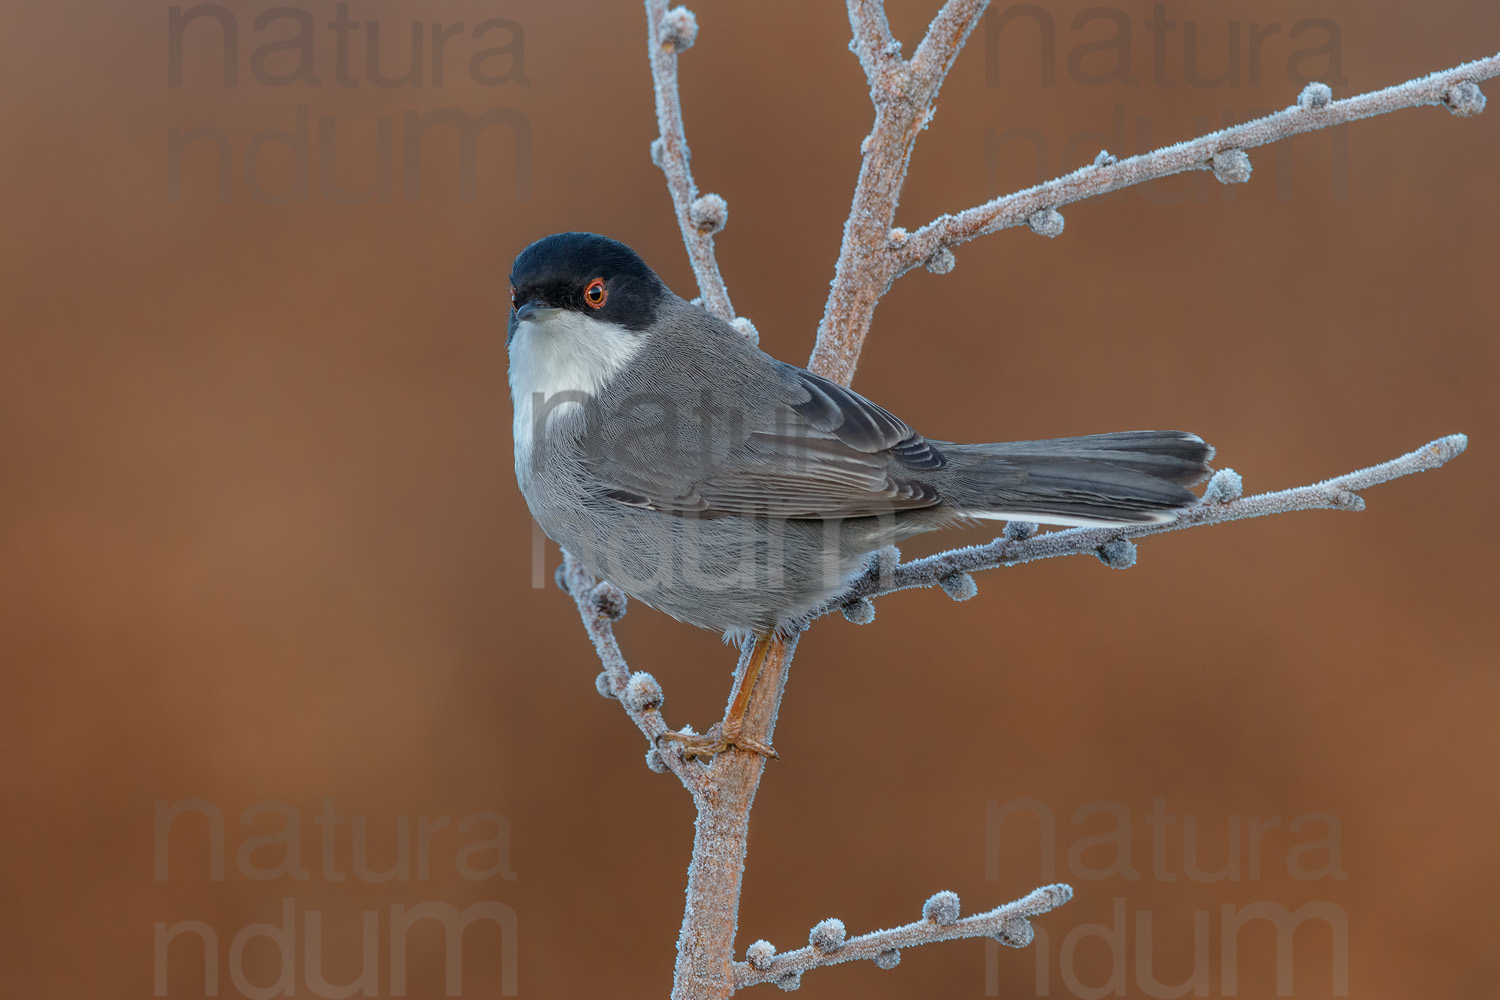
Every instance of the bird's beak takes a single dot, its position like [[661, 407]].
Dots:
[[536, 311]]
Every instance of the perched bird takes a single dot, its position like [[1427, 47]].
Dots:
[[740, 493]]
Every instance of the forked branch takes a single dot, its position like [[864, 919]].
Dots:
[[873, 253], [903, 93]]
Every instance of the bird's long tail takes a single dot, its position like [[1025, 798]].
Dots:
[[1132, 477]]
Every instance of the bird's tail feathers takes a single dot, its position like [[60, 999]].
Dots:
[[1131, 477]]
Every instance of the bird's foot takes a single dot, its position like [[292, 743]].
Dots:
[[717, 740]]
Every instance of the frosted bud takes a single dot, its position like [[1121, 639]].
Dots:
[[759, 955], [679, 29], [603, 686], [746, 328], [1105, 159], [1048, 222], [608, 600], [1347, 500], [708, 214], [941, 262], [941, 908], [1226, 485], [560, 577], [1017, 933], [860, 611], [959, 586], [827, 935], [1019, 531], [642, 693], [1315, 97], [888, 959], [1118, 554], [790, 981], [655, 761], [892, 48], [658, 152], [897, 237], [1464, 99], [1231, 166]]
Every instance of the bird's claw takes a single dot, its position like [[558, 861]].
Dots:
[[717, 740]]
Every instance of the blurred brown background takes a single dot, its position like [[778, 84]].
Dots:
[[262, 543]]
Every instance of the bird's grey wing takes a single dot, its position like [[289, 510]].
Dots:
[[807, 448]]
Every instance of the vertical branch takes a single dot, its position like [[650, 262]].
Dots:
[[670, 32], [705, 945], [903, 93]]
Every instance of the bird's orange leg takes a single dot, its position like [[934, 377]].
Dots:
[[730, 732]]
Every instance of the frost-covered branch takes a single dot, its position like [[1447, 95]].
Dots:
[[877, 50], [940, 921], [600, 605], [1223, 152], [721, 834], [871, 256], [1221, 502], [903, 92], [672, 32]]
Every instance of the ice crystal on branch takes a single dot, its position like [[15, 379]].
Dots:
[[1017, 933], [1226, 485], [941, 262], [1118, 554], [1019, 531], [1465, 99], [643, 693], [1315, 97], [679, 29], [827, 935], [1048, 222], [959, 586], [941, 908], [709, 214], [609, 601], [1231, 166], [759, 954]]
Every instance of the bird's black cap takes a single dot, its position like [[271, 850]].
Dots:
[[556, 272]]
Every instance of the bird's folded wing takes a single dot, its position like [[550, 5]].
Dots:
[[813, 450]]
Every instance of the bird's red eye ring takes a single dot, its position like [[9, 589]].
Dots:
[[595, 293]]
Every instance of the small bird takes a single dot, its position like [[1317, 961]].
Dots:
[[739, 493]]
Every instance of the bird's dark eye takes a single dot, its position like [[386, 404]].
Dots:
[[595, 293]]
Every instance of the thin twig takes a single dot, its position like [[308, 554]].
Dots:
[[673, 156], [1195, 154], [1338, 493], [599, 605], [1007, 922]]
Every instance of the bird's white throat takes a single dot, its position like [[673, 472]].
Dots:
[[565, 355]]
